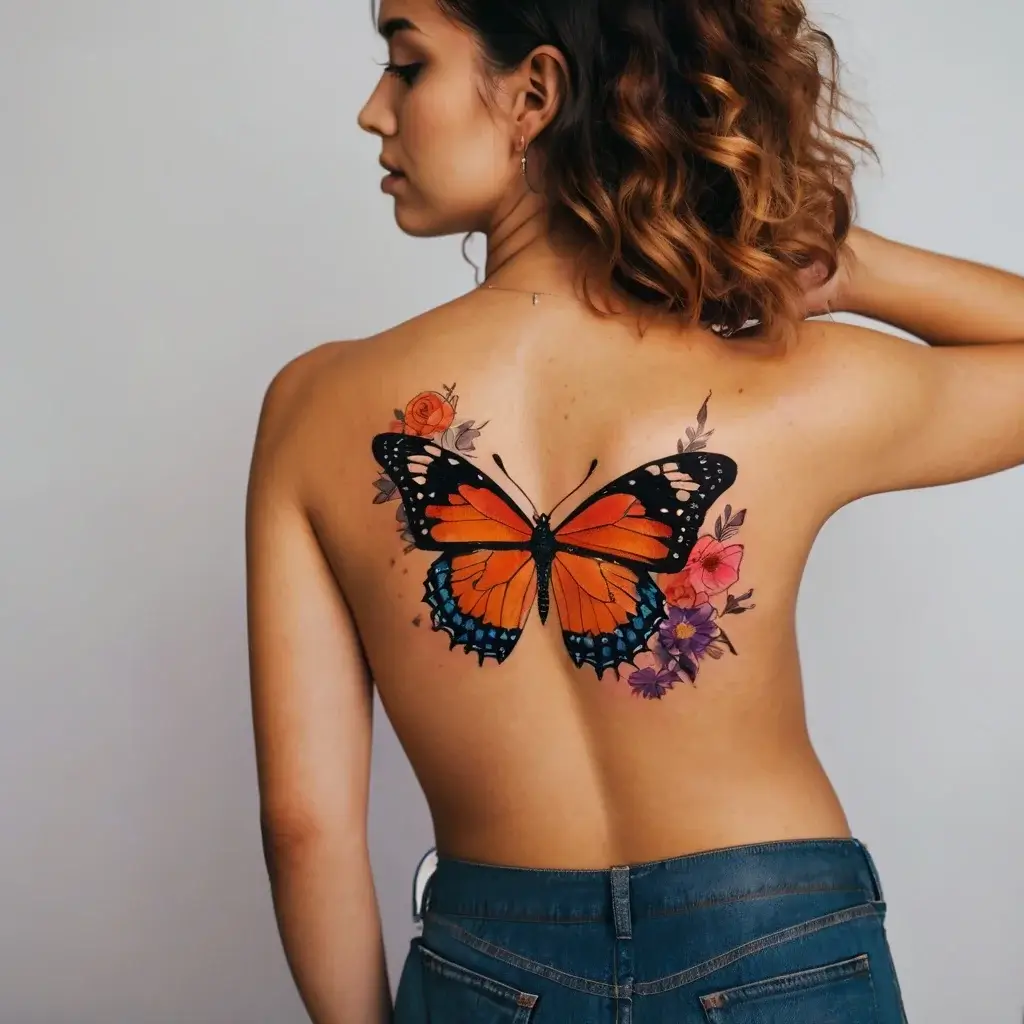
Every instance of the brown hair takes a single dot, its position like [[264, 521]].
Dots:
[[699, 158]]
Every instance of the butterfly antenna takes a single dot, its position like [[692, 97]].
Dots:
[[501, 466], [590, 473]]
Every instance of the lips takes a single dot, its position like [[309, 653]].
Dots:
[[391, 169]]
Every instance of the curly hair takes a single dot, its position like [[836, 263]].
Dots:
[[699, 158]]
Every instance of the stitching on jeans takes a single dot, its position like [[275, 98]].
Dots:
[[778, 938], [440, 965], [760, 894], [599, 988], [655, 914], [647, 864], [891, 965], [670, 981], [871, 982], [781, 984]]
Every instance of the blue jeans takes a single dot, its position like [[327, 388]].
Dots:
[[788, 932]]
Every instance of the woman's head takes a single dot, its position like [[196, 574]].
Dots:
[[688, 148], [451, 122]]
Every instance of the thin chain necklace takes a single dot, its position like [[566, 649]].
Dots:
[[525, 291], [536, 295]]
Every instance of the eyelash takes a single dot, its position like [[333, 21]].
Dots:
[[406, 72]]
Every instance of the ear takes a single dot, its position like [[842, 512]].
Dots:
[[541, 87]]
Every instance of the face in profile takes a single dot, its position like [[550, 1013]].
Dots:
[[441, 128]]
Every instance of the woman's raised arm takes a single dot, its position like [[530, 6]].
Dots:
[[911, 415]]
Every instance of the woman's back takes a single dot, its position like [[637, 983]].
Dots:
[[567, 553], [639, 763]]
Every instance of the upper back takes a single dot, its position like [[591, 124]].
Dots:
[[549, 388]]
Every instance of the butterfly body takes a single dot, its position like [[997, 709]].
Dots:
[[543, 547], [597, 564]]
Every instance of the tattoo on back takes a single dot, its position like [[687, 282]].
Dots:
[[639, 589]]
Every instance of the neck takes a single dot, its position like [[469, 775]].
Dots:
[[522, 255], [519, 247]]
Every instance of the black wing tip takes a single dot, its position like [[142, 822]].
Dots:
[[392, 439], [380, 442], [387, 435]]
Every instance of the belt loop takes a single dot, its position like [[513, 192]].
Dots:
[[875, 877], [620, 901]]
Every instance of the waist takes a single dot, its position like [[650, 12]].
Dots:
[[655, 888], [566, 826]]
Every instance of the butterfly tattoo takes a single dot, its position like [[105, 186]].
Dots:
[[495, 562]]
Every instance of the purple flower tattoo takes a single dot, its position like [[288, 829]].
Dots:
[[652, 683], [686, 634]]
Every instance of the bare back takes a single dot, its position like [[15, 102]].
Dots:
[[534, 760]]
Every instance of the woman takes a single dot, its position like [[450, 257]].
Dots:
[[561, 523]]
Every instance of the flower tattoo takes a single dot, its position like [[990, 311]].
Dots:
[[697, 598]]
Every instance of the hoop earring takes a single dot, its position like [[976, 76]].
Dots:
[[526, 170]]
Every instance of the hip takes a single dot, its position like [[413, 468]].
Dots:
[[788, 930]]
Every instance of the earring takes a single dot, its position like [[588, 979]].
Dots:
[[524, 147]]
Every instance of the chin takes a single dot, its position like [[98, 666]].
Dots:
[[414, 228], [420, 223]]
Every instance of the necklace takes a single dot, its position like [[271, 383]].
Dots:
[[525, 291]]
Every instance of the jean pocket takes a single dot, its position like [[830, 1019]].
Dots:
[[455, 994], [842, 991]]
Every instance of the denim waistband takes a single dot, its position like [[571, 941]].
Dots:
[[475, 889]]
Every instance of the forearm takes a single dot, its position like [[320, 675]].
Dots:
[[329, 920], [939, 299]]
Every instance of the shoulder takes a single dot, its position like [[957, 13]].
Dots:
[[831, 343], [291, 384], [346, 362], [855, 374], [290, 415], [295, 390], [892, 413], [325, 390]]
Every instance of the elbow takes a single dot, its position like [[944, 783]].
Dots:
[[292, 839], [288, 838]]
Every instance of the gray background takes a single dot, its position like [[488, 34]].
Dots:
[[186, 203]]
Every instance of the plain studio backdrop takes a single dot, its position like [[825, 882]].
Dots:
[[187, 203]]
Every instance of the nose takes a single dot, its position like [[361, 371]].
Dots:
[[377, 116]]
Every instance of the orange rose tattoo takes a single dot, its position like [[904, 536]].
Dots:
[[432, 415], [428, 414]]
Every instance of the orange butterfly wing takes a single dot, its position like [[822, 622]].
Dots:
[[645, 522], [484, 583], [496, 587]]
